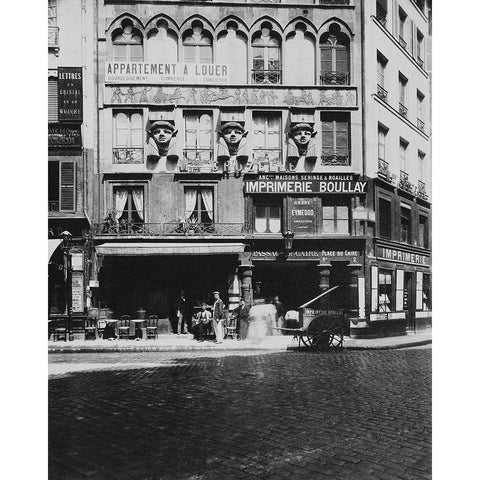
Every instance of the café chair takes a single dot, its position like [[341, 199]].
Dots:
[[124, 327], [231, 328], [152, 327], [90, 329], [62, 330]]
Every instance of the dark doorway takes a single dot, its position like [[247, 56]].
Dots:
[[409, 300]]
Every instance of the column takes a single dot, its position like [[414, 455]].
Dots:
[[246, 273], [352, 289], [324, 283]]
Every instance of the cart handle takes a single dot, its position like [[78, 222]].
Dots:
[[319, 296]]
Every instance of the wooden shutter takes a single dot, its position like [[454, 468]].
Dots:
[[385, 218], [399, 290], [395, 18], [52, 99], [67, 186]]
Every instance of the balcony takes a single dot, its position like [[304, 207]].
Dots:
[[420, 62], [268, 159], [334, 2], [404, 183], [420, 125], [176, 228], [382, 93], [422, 190], [198, 160], [402, 110], [334, 78], [402, 42], [384, 171], [266, 76], [381, 18], [53, 37], [53, 206], [123, 155], [335, 157]]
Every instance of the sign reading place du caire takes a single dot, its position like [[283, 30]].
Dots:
[[311, 183], [151, 73]]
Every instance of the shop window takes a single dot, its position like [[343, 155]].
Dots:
[[129, 207], [335, 139], [266, 56], [334, 57], [423, 233], [405, 225], [199, 205], [384, 218], [268, 217], [61, 186], [128, 137], [267, 140], [197, 45], [427, 292], [198, 152], [127, 43], [385, 290], [335, 216]]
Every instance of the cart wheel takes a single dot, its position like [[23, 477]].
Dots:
[[307, 339], [325, 332], [336, 340]]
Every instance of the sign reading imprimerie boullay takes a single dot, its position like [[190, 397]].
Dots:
[[307, 183]]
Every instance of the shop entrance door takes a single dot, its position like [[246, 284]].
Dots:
[[409, 300], [339, 275]]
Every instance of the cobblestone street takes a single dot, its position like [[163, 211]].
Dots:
[[294, 415]]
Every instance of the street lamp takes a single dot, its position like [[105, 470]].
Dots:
[[66, 236], [288, 238]]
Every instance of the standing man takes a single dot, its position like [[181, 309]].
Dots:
[[218, 317], [181, 308], [280, 312], [243, 317]]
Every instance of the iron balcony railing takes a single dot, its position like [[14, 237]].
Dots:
[[382, 93], [334, 2], [335, 156], [404, 183], [198, 160], [403, 110], [381, 18], [402, 42], [128, 155], [334, 78], [422, 190], [420, 125], [53, 206], [53, 37], [267, 159], [384, 171], [176, 228], [266, 76]]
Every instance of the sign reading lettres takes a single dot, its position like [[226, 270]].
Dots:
[[70, 94]]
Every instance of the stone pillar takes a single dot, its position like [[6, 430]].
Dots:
[[324, 283], [352, 290], [246, 273]]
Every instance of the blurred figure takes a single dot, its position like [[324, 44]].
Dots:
[[181, 310], [280, 312], [243, 319]]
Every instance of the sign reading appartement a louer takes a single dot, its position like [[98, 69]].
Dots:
[[145, 72], [70, 94], [402, 256]]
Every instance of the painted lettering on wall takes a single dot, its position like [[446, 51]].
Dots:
[[70, 94], [402, 256], [305, 186]]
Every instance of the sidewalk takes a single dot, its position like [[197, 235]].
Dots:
[[186, 343]]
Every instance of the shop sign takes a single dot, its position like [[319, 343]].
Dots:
[[77, 292], [352, 256], [402, 256], [70, 94], [152, 73], [294, 255], [302, 215], [64, 136], [306, 184], [316, 312]]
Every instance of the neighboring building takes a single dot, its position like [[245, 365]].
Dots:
[[397, 129], [70, 147], [200, 211]]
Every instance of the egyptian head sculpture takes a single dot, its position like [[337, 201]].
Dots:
[[232, 146], [301, 146], [160, 135], [233, 133]]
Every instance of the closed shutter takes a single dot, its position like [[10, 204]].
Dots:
[[52, 100], [67, 186], [385, 218]]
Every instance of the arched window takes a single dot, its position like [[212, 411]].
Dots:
[[334, 57], [299, 57], [266, 56], [127, 44], [162, 44], [232, 50], [197, 45]]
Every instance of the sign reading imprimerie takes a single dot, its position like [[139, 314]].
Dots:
[[308, 183], [146, 72]]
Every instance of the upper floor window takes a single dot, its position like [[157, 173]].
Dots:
[[52, 99], [381, 12], [128, 137], [335, 139], [266, 56], [268, 216], [420, 46], [381, 69], [421, 165], [299, 56], [61, 186], [198, 151], [402, 30], [162, 43], [335, 216], [423, 231], [384, 218], [403, 155], [420, 99], [52, 13], [197, 45], [267, 140], [382, 134], [129, 206], [127, 43], [334, 57], [199, 204], [232, 43], [405, 224], [402, 87]]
